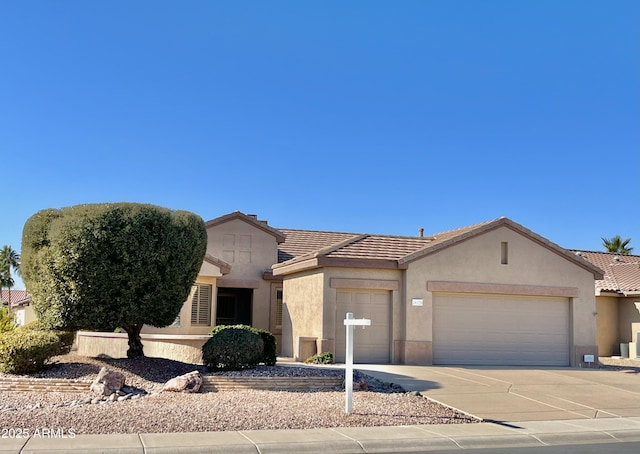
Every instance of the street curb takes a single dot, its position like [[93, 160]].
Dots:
[[417, 439]]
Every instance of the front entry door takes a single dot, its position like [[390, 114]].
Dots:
[[233, 306]]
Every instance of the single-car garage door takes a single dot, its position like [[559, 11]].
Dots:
[[372, 344], [500, 330]]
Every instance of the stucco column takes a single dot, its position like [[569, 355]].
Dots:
[[419, 329]]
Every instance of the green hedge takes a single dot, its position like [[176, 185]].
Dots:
[[23, 351], [7, 320], [66, 337], [320, 358]]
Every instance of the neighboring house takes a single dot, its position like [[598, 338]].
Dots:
[[20, 305], [617, 300], [493, 293]]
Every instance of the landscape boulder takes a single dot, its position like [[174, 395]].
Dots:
[[188, 383], [107, 382]]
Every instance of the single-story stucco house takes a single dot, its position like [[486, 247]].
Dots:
[[617, 301], [19, 302], [494, 293]]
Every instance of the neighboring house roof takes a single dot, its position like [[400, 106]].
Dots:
[[18, 297], [621, 272], [387, 251], [250, 219]]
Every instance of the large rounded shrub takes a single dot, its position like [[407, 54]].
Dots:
[[233, 347], [23, 351], [99, 266]]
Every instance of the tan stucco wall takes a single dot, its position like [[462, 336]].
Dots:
[[478, 260], [302, 303], [25, 314], [627, 314], [607, 325], [250, 251], [187, 349]]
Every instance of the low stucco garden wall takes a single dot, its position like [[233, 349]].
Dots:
[[185, 348]]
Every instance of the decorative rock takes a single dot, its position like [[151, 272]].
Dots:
[[189, 383], [113, 397], [96, 400], [125, 397], [107, 382]]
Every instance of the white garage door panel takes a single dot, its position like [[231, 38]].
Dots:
[[370, 345], [499, 330]]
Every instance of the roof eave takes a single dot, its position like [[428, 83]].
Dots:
[[337, 262], [225, 268], [280, 238], [285, 268], [340, 262], [603, 292]]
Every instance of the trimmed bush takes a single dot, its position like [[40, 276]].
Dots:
[[233, 347], [270, 353], [320, 358], [66, 337], [23, 351]]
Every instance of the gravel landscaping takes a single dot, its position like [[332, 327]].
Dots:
[[210, 411]]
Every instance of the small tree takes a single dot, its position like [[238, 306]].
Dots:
[[617, 245], [9, 261], [103, 266]]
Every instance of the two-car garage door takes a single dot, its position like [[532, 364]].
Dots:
[[500, 330]]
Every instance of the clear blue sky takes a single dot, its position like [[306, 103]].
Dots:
[[358, 116]]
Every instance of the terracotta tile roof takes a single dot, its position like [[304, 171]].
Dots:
[[379, 247], [18, 297], [622, 272], [301, 242]]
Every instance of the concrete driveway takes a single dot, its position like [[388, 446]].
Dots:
[[510, 394]]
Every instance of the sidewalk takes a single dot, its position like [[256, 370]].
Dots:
[[344, 440]]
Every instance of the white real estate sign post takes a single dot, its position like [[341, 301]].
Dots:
[[350, 323]]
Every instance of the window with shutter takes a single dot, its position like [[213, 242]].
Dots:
[[279, 309], [201, 305]]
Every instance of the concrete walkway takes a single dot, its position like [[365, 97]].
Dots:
[[344, 440], [521, 394]]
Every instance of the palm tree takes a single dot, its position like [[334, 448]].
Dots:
[[9, 260], [617, 245]]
